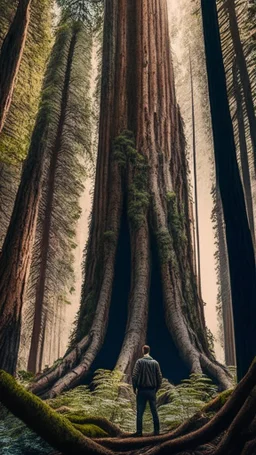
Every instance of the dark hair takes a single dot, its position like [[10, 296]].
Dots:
[[146, 349]]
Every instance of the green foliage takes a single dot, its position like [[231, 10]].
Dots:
[[211, 340], [90, 305], [122, 144], [109, 236], [185, 399], [16, 135], [164, 242], [176, 220], [125, 153], [112, 399], [88, 11], [73, 162]]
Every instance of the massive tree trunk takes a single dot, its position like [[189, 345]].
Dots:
[[45, 241], [10, 56], [238, 235], [244, 75], [141, 182], [227, 313]]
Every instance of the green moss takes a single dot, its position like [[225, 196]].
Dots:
[[90, 308], [176, 221], [37, 415], [215, 405], [90, 430], [138, 196], [164, 242], [123, 147]]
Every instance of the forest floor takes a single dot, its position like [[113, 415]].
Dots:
[[100, 420]]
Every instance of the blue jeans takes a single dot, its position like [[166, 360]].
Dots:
[[144, 396]]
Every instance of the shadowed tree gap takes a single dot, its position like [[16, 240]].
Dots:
[[108, 355], [159, 338]]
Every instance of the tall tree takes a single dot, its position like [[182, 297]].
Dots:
[[244, 75], [10, 56], [239, 240], [141, 183], [51, 272], [224, 307], [195, 183], [16, 134], [244, 159], [17, 247]]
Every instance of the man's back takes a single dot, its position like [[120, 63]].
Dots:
[[146, 380], [146, 374]]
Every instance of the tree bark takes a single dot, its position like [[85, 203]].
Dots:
[[238, 235], [246, 178], [227, 313], [40, 286], [195, 184], [17, 249], [244, 75], [141, 175], [11, 55]]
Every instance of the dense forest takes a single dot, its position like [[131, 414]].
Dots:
[[127, 170]]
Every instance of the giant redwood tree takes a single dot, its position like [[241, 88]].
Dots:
[[139, 281]]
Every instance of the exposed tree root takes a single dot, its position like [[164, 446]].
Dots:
[[231, 431]]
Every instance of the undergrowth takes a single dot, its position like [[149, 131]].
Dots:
[[108, 396]]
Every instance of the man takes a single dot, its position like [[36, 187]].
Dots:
[[146, 379]]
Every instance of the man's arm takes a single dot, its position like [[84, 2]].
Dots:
[[158, 376], [135, 375]]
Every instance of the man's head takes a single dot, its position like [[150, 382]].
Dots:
[[145, 349]]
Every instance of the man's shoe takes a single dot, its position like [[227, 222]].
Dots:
[[138, 435], [156, 433]]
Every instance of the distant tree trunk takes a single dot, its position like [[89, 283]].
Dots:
[[195, 186], [17, 248], [244, 75], [246, 178], [40, 287], [41, 354], [238, 235], [141, 181], [227, 313], [10, 56]]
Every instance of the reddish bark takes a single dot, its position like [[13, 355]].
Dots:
[[11, 55], [40, 286], [146, 182]]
